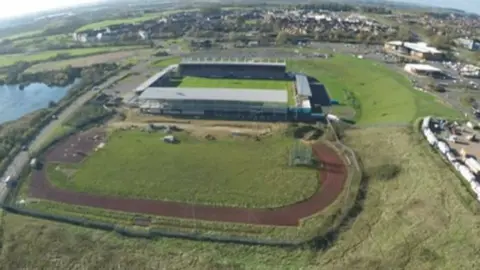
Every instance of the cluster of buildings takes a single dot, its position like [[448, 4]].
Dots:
[[472, 44], [112, 33], [305, 22], [419, 51], [158, 96], [467, 166]]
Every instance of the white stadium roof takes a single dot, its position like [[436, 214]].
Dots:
[[223, 94], [155, 77]]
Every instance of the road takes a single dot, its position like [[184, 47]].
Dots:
[[23, 158]]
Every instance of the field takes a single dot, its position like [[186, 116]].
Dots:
[[10, 59], [165, 62], [86, 61], [233, 83], [419, 219], [146, 17], [196, 170], [382, 95]]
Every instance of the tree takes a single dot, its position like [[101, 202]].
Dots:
[[212, 10], [240, 21], [441, 42], [282, 38]]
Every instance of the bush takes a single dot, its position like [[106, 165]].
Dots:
[[385, 171]]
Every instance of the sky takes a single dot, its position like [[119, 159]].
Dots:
[[13, 8], [467, 5]]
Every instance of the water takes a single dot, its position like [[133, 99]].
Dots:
[[15, 103]]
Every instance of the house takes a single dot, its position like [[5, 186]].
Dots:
[[470, 44], [414, 50]]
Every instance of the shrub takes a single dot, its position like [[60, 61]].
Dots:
[[385, 171]]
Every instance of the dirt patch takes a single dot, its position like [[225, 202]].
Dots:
[[84, 61], [69, 173]]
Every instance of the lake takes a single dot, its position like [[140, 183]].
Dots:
[[15, 103]]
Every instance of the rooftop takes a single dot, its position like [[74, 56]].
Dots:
[[155, 77], [223, 94], [423, 67], [419, 46], [302, 85], [233, 61]]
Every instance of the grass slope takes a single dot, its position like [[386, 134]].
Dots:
[[10, 59], [238, 172], [146, 17], [414, 221], [385, 96], [233, 83]]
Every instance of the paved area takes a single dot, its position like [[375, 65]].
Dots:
[[333, 175]]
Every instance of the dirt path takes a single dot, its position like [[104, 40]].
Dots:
[[185, 126], [333, 175]]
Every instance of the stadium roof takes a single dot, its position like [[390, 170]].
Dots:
[[231, 61], [302, 85], [155, 77], [224, 94]]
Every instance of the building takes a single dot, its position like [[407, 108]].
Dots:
[[157, 96], [240, 103], [412, 50], [232, 68], [470, 44], [424, 70]]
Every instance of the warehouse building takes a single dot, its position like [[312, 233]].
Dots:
[[232, 68], [425, 70], [238, 103], [417, 51]]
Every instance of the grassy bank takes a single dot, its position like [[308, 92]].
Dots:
[[384, 96]]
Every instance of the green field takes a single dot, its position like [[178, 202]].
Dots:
[[227, 171], [140, 19], [10, 59], [233, 83], [384, 96], [165, 62]]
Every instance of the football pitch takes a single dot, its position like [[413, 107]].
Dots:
[[233, 83]]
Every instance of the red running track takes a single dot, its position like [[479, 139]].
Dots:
[[333, 173]]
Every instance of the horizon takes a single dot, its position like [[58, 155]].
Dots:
[[20, 8]]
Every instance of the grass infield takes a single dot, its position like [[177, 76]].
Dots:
[[227, 171], [234, 83]]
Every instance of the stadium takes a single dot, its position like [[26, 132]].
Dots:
[[234, 89]]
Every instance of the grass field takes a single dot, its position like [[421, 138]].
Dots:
[[233, 83], [236, 172], [385, 96], [140, 19], [413, 221], [10, 59], [165, 62], [108, 57]]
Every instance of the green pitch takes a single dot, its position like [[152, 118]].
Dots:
[[233, 83], [227, 171]]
